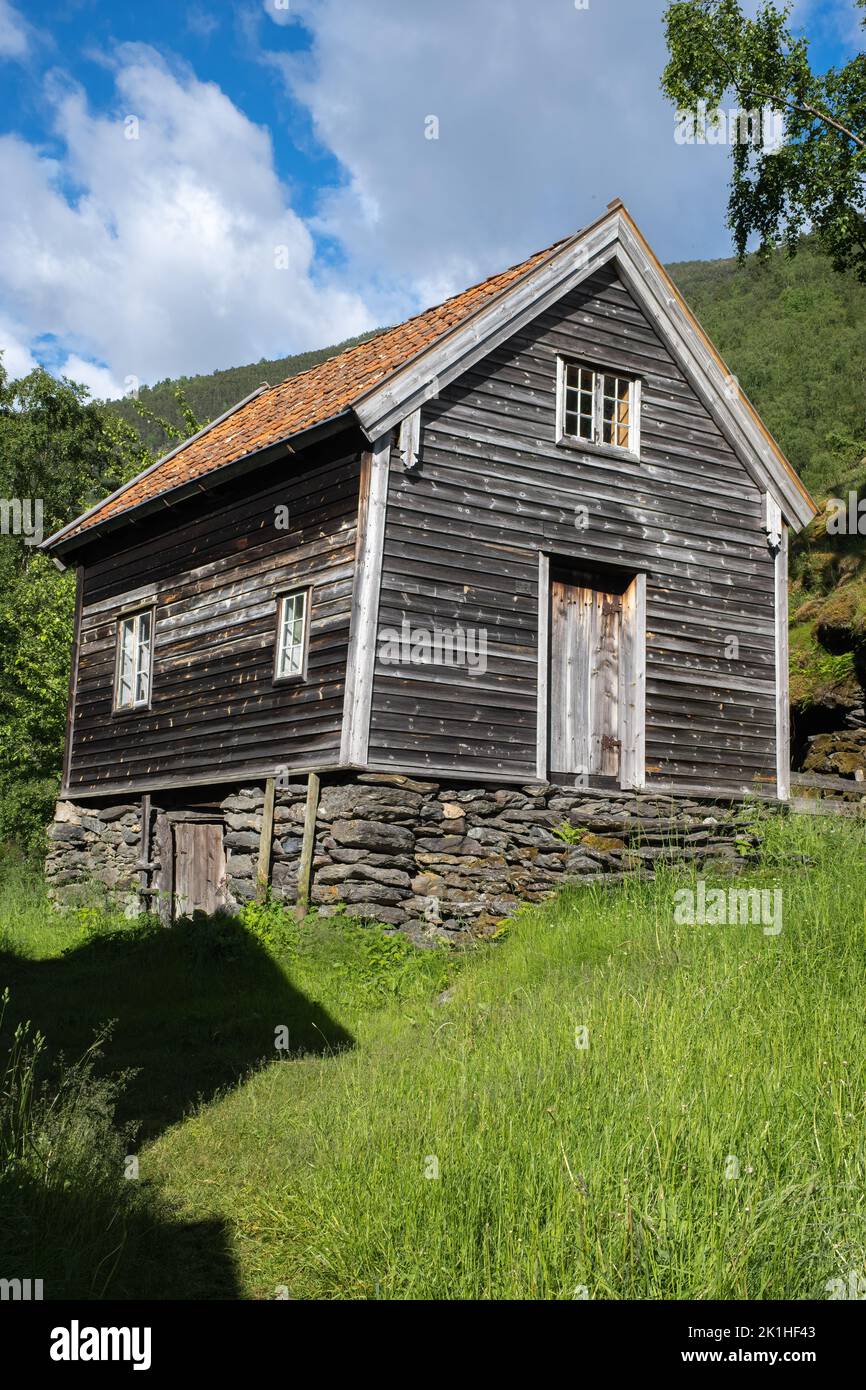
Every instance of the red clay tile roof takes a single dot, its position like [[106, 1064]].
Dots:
[[305, 400]]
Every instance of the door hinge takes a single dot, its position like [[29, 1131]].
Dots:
[[611, 605], [609, 743]]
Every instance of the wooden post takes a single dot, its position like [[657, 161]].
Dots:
[[361, 662], [263, 874], [783, 697], [164, 842], [73, 680], [308, 846], [541, 713], [144, 842]]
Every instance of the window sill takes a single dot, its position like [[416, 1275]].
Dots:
[[584, 446], [127, 711]]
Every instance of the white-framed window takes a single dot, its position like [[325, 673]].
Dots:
[[292, 624], [132, 683], [598, 407]]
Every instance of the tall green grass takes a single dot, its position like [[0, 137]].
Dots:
[[71, 1217], [437, 1130], [708, 1143]]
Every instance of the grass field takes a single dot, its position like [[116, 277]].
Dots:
[[439, 1127]]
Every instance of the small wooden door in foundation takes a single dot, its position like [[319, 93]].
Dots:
[[199, 867]]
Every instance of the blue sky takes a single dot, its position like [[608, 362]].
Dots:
[[194, 185]]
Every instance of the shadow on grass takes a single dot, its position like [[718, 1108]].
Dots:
[[126, 1245], [193, 1009]]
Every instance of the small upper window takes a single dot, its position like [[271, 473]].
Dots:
[[291, 635], [134, 663], [598, 407]]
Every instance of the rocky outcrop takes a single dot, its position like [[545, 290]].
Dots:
[[430, 857], [838, 754]]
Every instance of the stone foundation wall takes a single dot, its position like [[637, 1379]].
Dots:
[[93, 853], [429, 857]]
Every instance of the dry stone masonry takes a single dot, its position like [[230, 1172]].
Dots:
[[432, 858], [94, 852]]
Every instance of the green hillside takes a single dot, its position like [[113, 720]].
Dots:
[[209, 396], [794, 333]]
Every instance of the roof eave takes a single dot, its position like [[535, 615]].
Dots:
[[62, 544], [49, 544]]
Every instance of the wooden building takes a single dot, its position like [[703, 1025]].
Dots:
[[536, 532]]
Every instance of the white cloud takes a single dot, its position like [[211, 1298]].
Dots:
[[163, 242], [99, 381], [545, 113], [13, 32], [159, 255], [17, 358]]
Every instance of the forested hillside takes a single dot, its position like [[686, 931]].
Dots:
[[794, 332], [209, 396]]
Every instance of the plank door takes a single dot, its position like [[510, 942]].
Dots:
[[584, 680], [199, 867]]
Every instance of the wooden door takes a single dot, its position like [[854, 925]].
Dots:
[[584, 680], [199, 867]]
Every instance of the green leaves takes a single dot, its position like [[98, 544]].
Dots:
[[816, 178], [65, 451]]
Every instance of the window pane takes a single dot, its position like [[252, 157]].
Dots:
[[623, 414], [126, 663], [616, 412], [607, 416], [142, 685], [290, 660], [596, 406], [577, 404]]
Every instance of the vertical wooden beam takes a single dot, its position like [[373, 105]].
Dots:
[[361, 662], [606, 728], [73, 678], [581, 660], [308, 846], [164, 844], [632, 675], [783, 702], [144, 842], [266, 839], [543, 684]]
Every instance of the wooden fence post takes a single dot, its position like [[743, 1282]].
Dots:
[[164, 845], [144, 843], [263, 873], [308, 846]]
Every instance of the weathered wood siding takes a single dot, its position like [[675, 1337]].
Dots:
[[215, 567], [493, 488]]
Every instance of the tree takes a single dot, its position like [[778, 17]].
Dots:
[[59, 453], [816, 179], [174, 433]]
